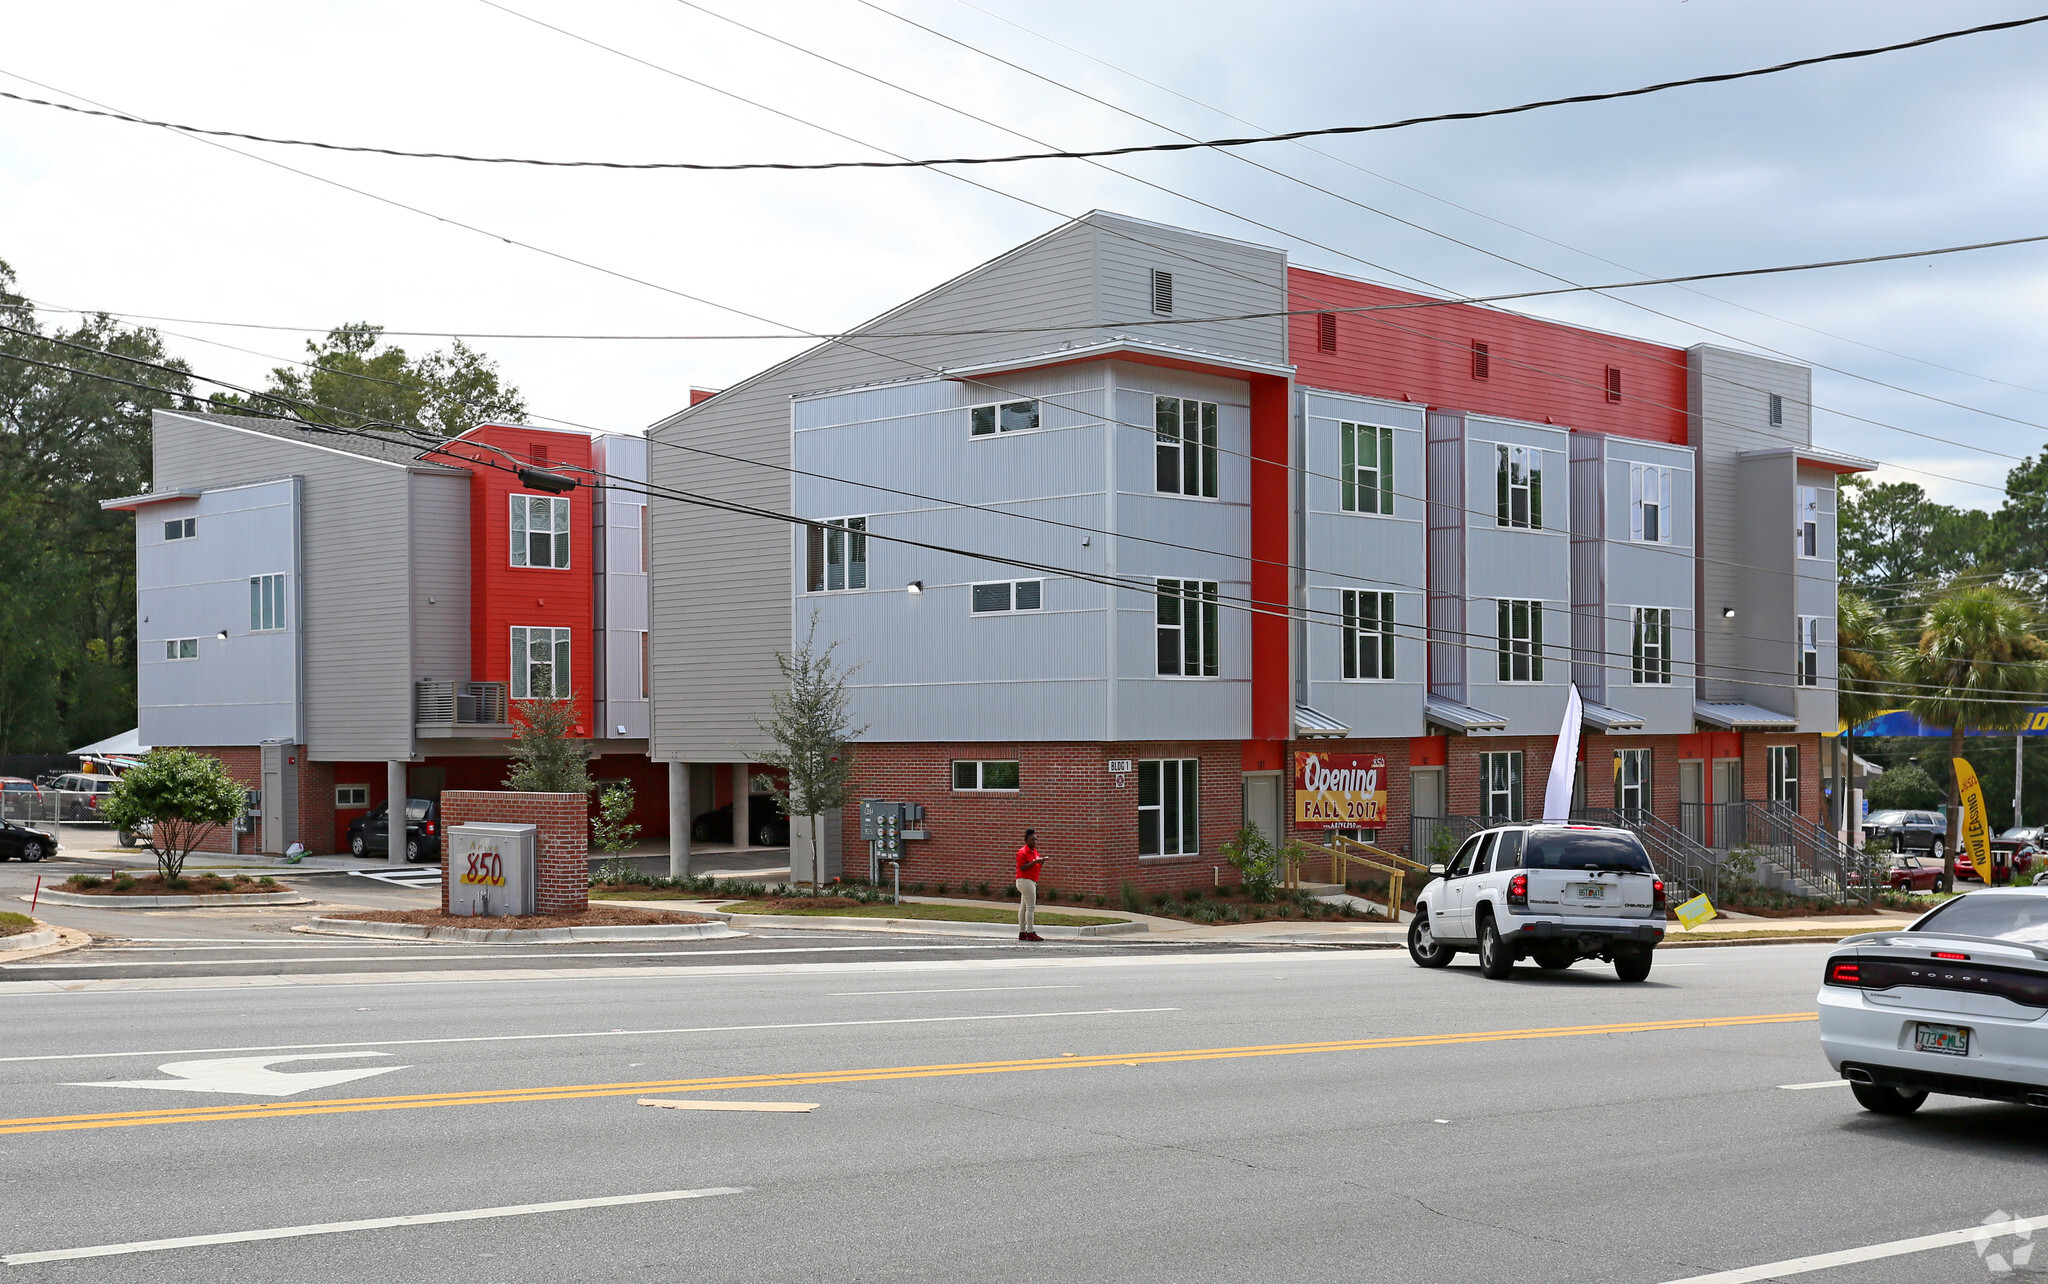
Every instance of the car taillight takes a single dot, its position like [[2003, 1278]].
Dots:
[[1518, 890], [1657, 893], [427, 828], [1845, 972]]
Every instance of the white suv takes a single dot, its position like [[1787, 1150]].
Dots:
[[1555, 893]]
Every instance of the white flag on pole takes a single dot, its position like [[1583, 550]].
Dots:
[[1557, 798]]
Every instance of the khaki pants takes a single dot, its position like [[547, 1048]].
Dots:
[[1027, 905]]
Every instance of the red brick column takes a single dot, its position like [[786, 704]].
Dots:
[[562, 858]]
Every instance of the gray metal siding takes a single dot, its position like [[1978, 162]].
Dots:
[[1505, 562], [440, 576], [722, 595], [1446, 554], [1751, 656], [354, 518]]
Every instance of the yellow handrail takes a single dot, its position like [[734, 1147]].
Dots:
[[1340, 869]]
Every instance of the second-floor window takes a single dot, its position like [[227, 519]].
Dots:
[[836, 555], [1366, 467], [1185, 447], [1008, 595], [1809, 651], [183, 528], [540, 664], [1652, 655], [266, 603], [1009, 416], [1187, 628], [1806, 530], [1521, 640], [1518, 487], [540, 531], [181, 649], [1649, 504], [1368, 635]]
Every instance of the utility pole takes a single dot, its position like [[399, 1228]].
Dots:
[[2019, 772]]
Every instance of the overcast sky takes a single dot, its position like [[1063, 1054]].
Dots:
[[1910, 150]]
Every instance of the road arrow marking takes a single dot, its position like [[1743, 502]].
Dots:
[[250, 1076]]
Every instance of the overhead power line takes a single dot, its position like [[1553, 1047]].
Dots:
[[1093, 153]]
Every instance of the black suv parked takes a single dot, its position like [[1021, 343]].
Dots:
[[1907, 831], [367, 833]]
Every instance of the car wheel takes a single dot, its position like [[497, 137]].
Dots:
[[1555, 960], [126, 839], [357, 847], [1634, 965], [1496, 962], [766, 838], [412, 850], [1938, 848], [31, 851], [1423, 946], [1885, 1099]]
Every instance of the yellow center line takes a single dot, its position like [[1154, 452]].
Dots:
[[499, 1096]]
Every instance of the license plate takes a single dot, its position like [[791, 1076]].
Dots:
[[1950, 1040], [1591, 891]]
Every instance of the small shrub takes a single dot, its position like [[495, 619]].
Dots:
[[1012, 892], [1192, 894], [266, 881], [945, 889], [1048, 893], [1160, 899], [177, 884], [1131, 900], [83, 881], [1099, 900], [982, 888]]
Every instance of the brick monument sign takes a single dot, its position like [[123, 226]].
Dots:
[[562, 858]]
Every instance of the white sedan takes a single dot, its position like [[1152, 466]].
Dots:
[[1956, 1004]]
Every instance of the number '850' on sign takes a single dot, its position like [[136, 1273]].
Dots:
[[485, 868]]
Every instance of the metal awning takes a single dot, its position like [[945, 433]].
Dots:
[[1313, 724], [1734, 715], [1601, 718], [1461, 717], [128, 743]]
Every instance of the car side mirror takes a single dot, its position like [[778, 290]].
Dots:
[[1436, 871]]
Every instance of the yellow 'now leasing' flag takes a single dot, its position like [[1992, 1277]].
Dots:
[[1695, 911], [1976, 827]]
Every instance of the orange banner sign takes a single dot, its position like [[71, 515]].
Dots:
[[1340, 790]]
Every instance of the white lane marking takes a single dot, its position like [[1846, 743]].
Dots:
[[507, 951], [581, 1034], [372, 1223], [1850, 1256], [1821, 1083], [779, 1107], [245, 1076], [969, 989]]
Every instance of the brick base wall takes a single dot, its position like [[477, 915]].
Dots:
[[562, 855]]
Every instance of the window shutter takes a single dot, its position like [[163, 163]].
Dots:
[[1162, 292], [1326, 331], [1614, 383], [1777, 411], [1481, 361]]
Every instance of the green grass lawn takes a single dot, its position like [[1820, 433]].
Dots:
[[650, 894], [942, 913], [12, 924]]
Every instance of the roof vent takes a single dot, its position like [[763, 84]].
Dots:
[[537, 455], [1777, 411], [1326, 331], [1162, 292], [1481, 363], [1614, 383]]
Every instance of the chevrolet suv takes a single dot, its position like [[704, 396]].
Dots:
[[1554, 893]]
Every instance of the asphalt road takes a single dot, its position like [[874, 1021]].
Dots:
[[982, 1112]]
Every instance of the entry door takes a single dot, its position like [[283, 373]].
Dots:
[[1426, 791], [1692, 781], [1262, 804], [1727, 789]]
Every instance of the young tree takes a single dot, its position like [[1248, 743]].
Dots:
[[610, 830], [179, 797], [546, 758], [1977, 664], [807, 722]]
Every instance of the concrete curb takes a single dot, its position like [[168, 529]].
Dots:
[[1758, 939], [929, 926], [172, 902], [21, 942], [525, 936], [48, 939]]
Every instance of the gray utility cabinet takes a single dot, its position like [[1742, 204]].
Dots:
[[491, 869]]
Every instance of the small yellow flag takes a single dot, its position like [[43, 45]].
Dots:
[[1976, 824], [1695, 911]]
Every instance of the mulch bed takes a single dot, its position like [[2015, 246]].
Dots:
[[153, 885], [1758, 911], [595, 916]]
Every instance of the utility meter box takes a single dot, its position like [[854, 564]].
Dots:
[[491, 868]]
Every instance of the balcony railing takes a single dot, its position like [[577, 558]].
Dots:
[[441, 703]]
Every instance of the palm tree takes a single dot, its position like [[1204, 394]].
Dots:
[[1977, 665], [1865, 644]]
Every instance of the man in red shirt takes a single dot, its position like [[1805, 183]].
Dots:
[[1028, 864]]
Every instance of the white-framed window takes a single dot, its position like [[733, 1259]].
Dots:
[[540, 531], [1004, 416], [985, 775], [182, 528], [1649, 504], [1186, 454], [266, 603], [1368, 635], [1518, 487], [1521, 640], [1008, 595], [1632, 779], [540, 663], [1809, 651], [350, 797], [1365, 467], [836, 555], [1781, 764], [181, 648], [1500, 785], [1651, 660], [1187, 628], [1806, 531], [1169, 807]]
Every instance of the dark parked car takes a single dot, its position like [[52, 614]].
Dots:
[[367, 833], [1907, 831], [769, 826], [19, 842]]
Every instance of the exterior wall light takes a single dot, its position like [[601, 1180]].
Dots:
[[222, 635], [1727, 612], [914, 587]]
